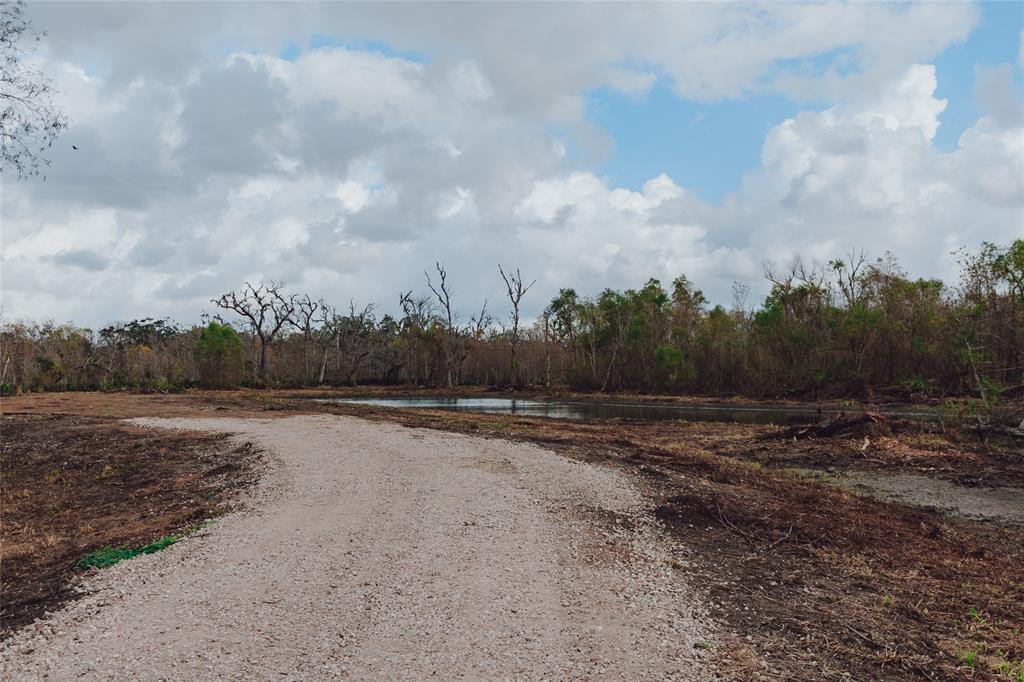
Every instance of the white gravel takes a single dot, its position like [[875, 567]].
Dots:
[[373, 551]]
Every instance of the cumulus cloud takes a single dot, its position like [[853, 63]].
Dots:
[[862, 175], [871, 178], [346, 171]]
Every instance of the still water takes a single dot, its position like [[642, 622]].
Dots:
[[578, 409]]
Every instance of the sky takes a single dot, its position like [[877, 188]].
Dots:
[[344, 148]]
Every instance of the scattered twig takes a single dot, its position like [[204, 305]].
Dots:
[[780, 540]]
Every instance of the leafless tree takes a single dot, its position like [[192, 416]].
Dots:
[[796, 273], [452, 334], [480, 322], [417, 313], [516, 291], [305, 311], [547, 350], [265, 309], [848, 273], [326, 336], [476, 338], [443, 294], [416, 310], [29, 120], [356, 336], [740, 292]]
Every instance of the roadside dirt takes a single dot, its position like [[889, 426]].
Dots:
[[812, 581], [72, 484], [815, 582], [372, 551]]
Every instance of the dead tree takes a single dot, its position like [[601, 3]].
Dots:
[[480, 322], [305, 310], [516, 292], [265, 309], [547, 351], [417, 313], [476, 333], [326, 335], [355, 334], [444, 296], [453, 343], [848, 275]]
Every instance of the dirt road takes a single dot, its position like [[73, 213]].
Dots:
[[373, 551]]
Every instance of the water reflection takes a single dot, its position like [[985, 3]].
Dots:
[[582, 410]]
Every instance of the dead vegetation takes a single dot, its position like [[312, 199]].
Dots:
[[73, 484], [869, 441], [813, 581]]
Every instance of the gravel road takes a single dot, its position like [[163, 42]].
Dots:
[[374, 551]]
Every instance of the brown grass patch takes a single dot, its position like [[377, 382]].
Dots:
[[69, 485]]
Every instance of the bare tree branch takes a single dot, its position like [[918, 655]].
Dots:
[[29, 120], [265, 309], [516, 292]]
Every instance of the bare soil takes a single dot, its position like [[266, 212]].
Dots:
[[72, 484], [376, 552], [813, 581]]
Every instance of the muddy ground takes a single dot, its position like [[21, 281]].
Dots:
[[814, 580]]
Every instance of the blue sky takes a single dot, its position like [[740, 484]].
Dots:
[[707, 147], [704, 147], [994, 42]]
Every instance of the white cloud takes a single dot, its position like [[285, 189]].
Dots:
[[346, 171], [851, 176], [353, 195], [907, 103], [536, 60]]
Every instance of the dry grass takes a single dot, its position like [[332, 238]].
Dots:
[[71, 485], [812, 581]]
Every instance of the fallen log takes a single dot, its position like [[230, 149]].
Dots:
[[840, 425]]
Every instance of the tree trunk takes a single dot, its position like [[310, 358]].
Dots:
[[262, 369], [513, 367], [547, 356], [323, 368]]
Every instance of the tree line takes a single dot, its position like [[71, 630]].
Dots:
[[849, 327]]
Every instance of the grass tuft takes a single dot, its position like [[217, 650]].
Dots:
[[108, 556]]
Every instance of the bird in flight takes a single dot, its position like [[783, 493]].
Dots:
[[74, 147]]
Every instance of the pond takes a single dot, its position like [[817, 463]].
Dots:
[[584, 410]]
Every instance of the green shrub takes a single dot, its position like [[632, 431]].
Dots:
[[221, 356]]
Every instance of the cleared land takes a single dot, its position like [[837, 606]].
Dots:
[[374, 551], [72, 484], [804, 579]]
